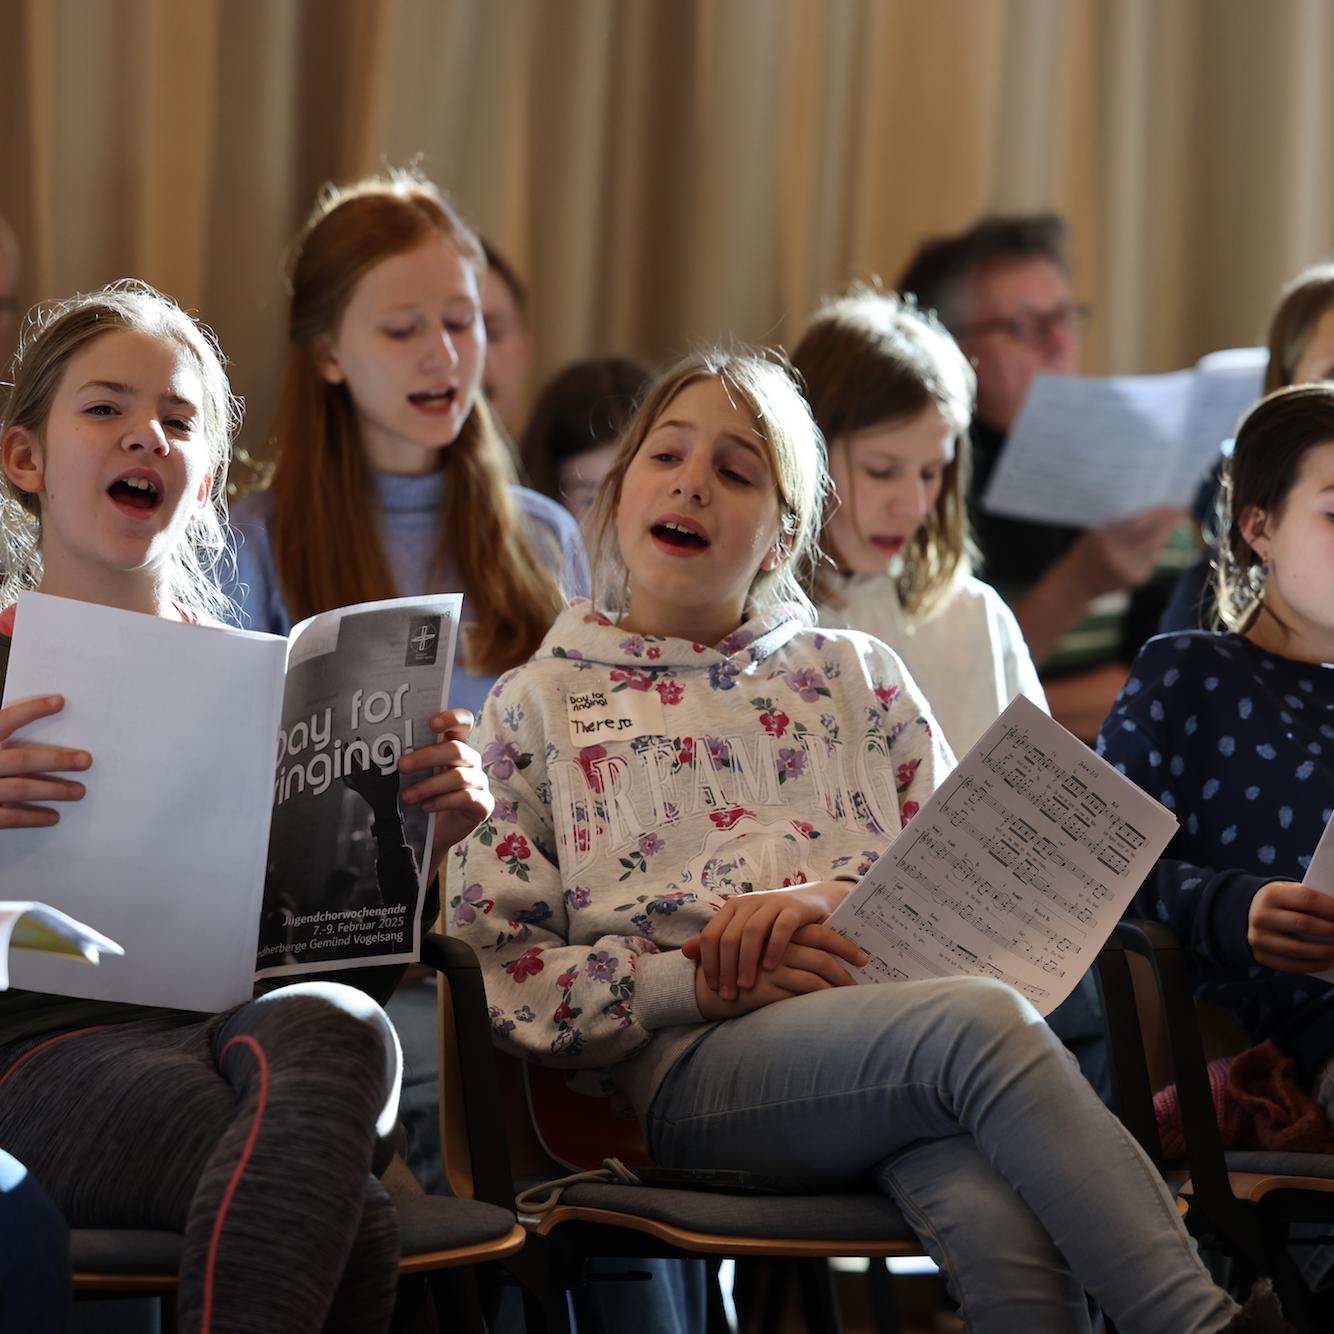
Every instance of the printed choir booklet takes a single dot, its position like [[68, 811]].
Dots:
[[209, 863]]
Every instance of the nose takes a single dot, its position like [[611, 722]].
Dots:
[[442, 350], [146, 434], [691, 481], [910, 500], [1062, 344]]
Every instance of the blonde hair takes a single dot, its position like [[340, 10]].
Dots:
[[762, 381], [869, 359], [51, 336], [1265, 461], [327, 555]]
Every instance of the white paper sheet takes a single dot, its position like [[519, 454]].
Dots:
[[1017, 868], [166, 850], [1320, 875], [1087, 450], [37, 926]]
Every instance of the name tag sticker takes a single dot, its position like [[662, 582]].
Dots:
[[598, 714]]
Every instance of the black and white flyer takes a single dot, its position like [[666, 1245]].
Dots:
[[347, 859]]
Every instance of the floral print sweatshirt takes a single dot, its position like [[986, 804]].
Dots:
[[640, 782]]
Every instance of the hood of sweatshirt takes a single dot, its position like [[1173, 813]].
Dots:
[[582, 632]]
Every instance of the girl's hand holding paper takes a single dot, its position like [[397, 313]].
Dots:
[[457, 793], [1291, 927], [26, 769]]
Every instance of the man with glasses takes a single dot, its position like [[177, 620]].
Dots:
[[1003, 289]]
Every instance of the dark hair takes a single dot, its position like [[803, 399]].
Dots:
[[939, 272], [504, 270], [1305, 299], [586, 405], [1266, 458]]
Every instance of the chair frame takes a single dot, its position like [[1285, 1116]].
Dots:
[[479, 1152], [1246, 1213]]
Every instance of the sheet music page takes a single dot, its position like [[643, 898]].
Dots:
[[1087, 450], [1017, 868], [1227, 384]]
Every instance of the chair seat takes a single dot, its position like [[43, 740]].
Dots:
[[427, 1223], [855, 1216], [443, 1223], [95, 1250], [1273, 1163]]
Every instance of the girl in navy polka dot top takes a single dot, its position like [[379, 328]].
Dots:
[[1234, 732]]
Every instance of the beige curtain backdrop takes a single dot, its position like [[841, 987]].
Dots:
[[668, 171]]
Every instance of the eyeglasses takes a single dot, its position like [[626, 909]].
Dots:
[[1033, 326]]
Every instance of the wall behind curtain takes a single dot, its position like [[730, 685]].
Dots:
[[664, 171]]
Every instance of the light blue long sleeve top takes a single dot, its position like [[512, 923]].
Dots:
[[407, 509]]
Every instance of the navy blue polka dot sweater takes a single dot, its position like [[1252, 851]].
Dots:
[[1239, 744]]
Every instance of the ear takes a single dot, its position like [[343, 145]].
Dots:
[[22, 457], [1252, 523], [325, 356], [776, 554], [201, 498]]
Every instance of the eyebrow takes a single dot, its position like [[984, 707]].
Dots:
[[727, 435], [129, 391], [405, 306]]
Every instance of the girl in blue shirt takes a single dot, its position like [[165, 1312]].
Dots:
[[1234, 731]]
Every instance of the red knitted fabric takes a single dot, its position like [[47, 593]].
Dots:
[[1258, 1104], [1167, 1112]]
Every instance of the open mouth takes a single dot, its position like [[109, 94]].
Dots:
[[136, 493], [679, 536], [888, 546], [434, 400]]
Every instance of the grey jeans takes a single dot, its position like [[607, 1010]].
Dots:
[[955, 1098]]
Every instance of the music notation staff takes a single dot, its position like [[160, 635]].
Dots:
[[918, 925], [1054, 937], [1027, 871], [1065, 798], [1017, 868]]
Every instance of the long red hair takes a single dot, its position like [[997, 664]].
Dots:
[[327, 554]]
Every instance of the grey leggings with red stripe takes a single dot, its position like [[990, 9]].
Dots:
[[251, 1132]]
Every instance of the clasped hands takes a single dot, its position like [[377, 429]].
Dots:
[[769, 945]]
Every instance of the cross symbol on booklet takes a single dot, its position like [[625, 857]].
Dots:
[[422, 639]]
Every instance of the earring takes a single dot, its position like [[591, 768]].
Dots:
[[1256, 576]]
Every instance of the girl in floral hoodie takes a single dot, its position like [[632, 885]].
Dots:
[[687, 782]]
